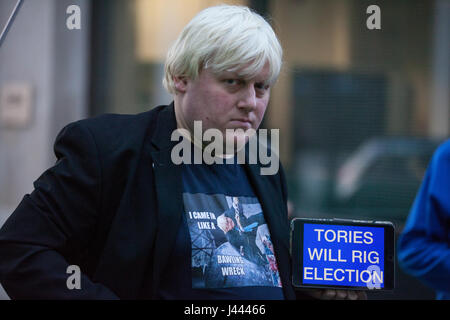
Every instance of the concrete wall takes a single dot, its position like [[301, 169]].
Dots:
[[42, 53]]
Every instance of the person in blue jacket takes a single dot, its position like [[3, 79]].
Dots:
[[424, 245]]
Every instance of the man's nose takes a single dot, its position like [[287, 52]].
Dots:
[[248, 98]]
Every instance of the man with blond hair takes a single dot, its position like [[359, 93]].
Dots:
[[136, 225]]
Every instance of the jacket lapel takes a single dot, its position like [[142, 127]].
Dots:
[[169, 191]]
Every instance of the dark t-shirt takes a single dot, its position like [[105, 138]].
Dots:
[[223, 248]]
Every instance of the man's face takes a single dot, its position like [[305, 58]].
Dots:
[[224, 101], [225, 223]]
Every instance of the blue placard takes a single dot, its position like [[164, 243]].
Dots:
[[340, 255]]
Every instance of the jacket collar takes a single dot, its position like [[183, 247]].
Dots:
[[165, 125]]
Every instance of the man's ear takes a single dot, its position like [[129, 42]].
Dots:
[[180, 84]]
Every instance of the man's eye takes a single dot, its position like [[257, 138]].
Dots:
[[231, 81], [261, 86]]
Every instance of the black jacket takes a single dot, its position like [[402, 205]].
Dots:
[[112, 205]]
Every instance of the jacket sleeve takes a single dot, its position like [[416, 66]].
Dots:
[[52, 226], [423, 249]]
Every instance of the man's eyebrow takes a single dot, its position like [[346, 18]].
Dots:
[[242, 76], [230, 74]]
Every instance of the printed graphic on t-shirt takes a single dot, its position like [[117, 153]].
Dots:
[[231, 245]]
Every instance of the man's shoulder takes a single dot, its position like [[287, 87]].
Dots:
[[120, 129], [121, 122]]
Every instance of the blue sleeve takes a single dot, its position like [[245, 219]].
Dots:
[[423, 248]]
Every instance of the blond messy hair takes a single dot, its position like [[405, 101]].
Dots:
[[224, 38]]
